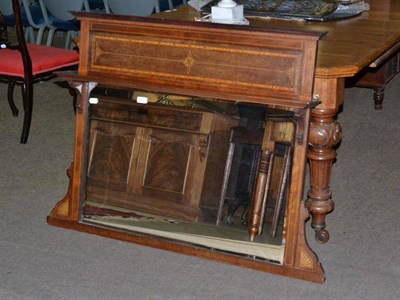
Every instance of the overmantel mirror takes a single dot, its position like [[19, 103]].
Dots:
[[191, 138]]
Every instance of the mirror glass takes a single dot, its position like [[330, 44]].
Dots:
[[185, 169]]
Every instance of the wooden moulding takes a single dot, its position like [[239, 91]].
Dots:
[[192, 58], [264, 66], [299, 273]]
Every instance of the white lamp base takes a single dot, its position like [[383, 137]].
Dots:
[[227, 13]]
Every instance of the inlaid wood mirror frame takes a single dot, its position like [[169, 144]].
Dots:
[[267, 67]]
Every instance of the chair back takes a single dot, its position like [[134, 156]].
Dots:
[[61, 9], [171, 4], [6, 7], [95, 5], [133, 8], [3, 32], [166, 4], [21, 43]]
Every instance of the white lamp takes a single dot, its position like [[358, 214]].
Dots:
[[227, 11], [227, 3]]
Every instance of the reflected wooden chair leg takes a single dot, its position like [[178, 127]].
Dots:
[[239, 136], [283, 182], [227, 171], [267, 189], [260, 193], [246, 212]]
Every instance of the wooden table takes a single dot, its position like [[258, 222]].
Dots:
[[348, 49]]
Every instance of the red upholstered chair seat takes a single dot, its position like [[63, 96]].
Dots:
[[44, 59]]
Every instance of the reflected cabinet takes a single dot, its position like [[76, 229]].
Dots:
[[192, 139], [159, 158]]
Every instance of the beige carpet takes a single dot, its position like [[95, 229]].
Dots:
[[38, 261]]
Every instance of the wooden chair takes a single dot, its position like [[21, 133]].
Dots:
[[278, 144], [23, 64], [240, 136], [279, 129]]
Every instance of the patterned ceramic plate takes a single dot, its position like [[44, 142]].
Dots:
[[320, 10]]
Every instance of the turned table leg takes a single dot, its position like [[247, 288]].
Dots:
[[325, 133]]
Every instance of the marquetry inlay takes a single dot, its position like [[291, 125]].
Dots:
[[63, 209], [306, 262], [132, 56], [189, 61]]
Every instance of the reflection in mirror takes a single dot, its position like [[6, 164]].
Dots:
[[185, 169]]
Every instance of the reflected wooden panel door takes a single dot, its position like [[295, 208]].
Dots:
[[161, 159]]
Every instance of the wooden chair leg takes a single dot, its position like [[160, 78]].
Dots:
[[283, 182], [10, 97], [228, 166], [239, 136], [27, 96], [262, 187], [260, 193]]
